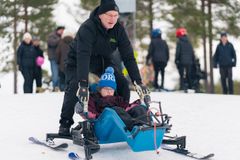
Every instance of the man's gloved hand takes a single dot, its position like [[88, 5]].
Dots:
[[82, 94], [141, 90]]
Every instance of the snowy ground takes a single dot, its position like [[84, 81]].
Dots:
[[211, 123]]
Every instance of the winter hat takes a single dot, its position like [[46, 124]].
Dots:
[[60, 27], [107, 5], [181, 32], [108, 79], [27, 36], [223, 34], [156, 33]]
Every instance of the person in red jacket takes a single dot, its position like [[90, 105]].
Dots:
[[131, 114]]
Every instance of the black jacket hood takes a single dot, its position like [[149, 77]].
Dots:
[[94, 14]]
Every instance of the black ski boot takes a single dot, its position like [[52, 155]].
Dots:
[[64, 131], [76, 133]]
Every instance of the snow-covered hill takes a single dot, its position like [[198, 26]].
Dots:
[[211, 123]]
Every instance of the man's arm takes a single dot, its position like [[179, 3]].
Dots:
[[234, 57], [215, 57], [150, 50], [178, 52], [167, 50], [58, 53], [19, 54], [85, 41]]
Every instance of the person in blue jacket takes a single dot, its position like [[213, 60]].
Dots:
[[225, 58]]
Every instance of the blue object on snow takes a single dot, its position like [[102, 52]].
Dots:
[[109, 128], [73, 156]]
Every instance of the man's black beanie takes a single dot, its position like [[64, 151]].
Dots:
[[107, 5], [223, 34]]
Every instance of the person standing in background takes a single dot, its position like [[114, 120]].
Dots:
[[225, 58], [39, 63], [53, 41], [158, 52], [184, 58], [26, 60], [61, 53]]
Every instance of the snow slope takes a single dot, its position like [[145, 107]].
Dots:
[[211, 123]]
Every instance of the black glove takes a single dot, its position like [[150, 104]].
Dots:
[[141, 90], [233, 63], [82, 94]]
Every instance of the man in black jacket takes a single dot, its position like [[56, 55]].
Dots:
[[158, 52], [91, 51], [225, 57]]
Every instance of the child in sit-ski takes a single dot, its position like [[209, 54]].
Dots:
[[131, 114]]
